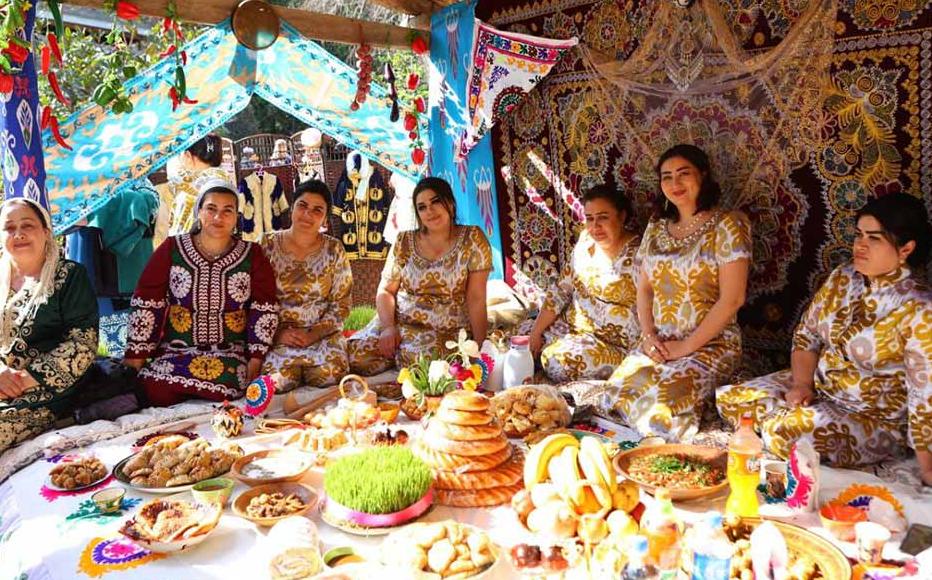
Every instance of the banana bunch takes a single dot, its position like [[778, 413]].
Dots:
[[566, 479]]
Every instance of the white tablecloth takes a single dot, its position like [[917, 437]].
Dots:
[[36, 537]]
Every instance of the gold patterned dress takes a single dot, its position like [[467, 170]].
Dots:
[[176, 201], [872, 383], [430, 305], [597, 299], [313, 291], [667, 399], [56, 346]]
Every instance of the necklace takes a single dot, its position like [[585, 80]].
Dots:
[[211, 256], [681, 230]]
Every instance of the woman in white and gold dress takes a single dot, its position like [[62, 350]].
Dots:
[[858, 386], [314, 282], [589, 321], [433, 284], [693, 276]]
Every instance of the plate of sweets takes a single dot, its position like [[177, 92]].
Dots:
[[175, 464], [77, 474], [167, 525], [444, 549], [376, 490]]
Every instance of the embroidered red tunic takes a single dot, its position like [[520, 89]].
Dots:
[[199, 321]]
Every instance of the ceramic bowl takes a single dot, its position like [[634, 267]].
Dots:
[[305, 493], [217, 490], [839, 520], [272, 466], [109, 500]]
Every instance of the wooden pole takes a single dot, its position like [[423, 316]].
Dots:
[[313, 25]]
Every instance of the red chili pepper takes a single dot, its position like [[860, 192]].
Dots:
[[169, 51], [56, 132], [177, 29], [53, 82], [127, 10], [167, 24], [173, 93], [46, 59], [188, 101], [56, 49], [184, 57], [18, 54], [46, 117], [6, 83]]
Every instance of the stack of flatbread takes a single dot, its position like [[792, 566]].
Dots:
[[167, 520], [473, 462]]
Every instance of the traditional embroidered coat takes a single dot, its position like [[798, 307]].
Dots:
[[263, 205], [361, 202], [430, 305], [314, 291], [199, 321], [597, 303], [56, 347], [874, 394], [667, 399]]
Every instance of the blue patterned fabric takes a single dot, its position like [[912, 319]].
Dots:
[[473, 180], [20, 142], [295, 74]]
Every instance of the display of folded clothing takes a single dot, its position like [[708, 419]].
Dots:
[[473, 462]]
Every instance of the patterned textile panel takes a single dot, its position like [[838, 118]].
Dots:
[[875, 136]]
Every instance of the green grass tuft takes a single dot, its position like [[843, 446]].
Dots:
[[359, 317], [382, 480]]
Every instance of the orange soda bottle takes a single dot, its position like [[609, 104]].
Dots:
[[663, 530], [744, 451]]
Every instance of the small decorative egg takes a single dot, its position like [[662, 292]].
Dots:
[[227, 421]]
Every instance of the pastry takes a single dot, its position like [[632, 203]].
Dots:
[[463, 400], [468, 448], [79, 473], [524, 410], [478, 497], [317, 440], [508, 473], [463, 432], [274, 505], [169, 520], [348, 414], [457, 417], [460, 463], [167, 464], [441, 549]]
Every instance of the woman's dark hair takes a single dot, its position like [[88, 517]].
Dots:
[[442, 189], [903, 217], [33, 206], [208, 149], [709, 191], [317, 187], [614, 196]]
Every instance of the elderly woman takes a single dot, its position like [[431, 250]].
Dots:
[[48, 327], [433, 284], [199, 163], [204, 312], [589, 322], [693, 275], [858, 386], [314, 289]]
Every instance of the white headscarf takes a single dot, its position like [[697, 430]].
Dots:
[[215, 184], [39, 292]]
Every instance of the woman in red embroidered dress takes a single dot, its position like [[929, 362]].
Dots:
[[204, 312]]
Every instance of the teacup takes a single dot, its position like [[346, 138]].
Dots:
[[217, 490], [109, 500]]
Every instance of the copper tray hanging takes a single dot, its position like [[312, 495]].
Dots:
[[255, 24]]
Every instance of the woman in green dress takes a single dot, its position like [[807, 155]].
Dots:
[[48, 323]]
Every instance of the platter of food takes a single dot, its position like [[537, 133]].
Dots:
[[268, 504], [687, 471], [172, 465], [78, 474], [811, 557], [272, 466], [445, 549], [170, 525]]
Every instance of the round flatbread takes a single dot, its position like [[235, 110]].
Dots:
[[439, 461], [437, 428], [463, 400], [478, 497], [508, 473], [470, 448], [457, 417]]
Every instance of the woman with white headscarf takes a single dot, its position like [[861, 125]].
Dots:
[[48, 323], [205, 311]]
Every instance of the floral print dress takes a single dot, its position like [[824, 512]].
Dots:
[[313, 291], [667, 399], [597, 302], [199, 321], [430, 306], [56, 347], [872, 383]]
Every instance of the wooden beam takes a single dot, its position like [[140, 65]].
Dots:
[[415, 7], [313, 25]]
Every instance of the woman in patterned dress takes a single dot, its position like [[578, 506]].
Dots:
[[204, 312], [314, 290], [589, 322], [693, 275], [858, 385], [199, 163], [433, 284], [48, 323]]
